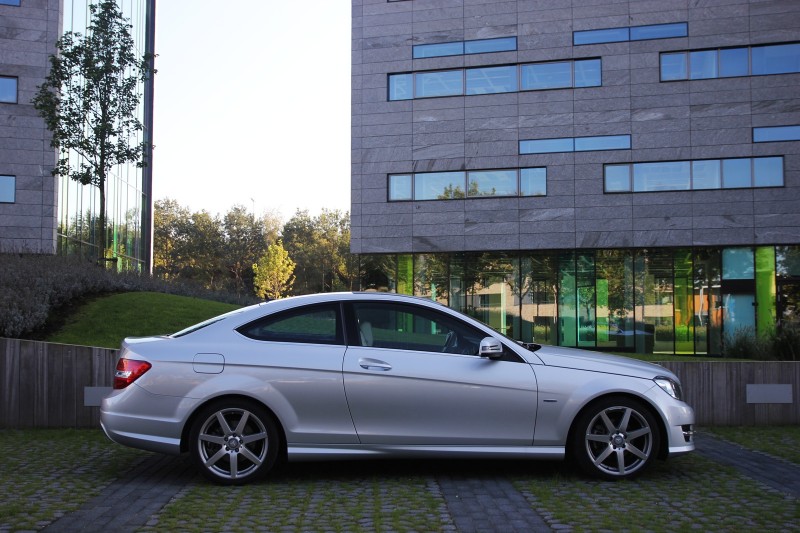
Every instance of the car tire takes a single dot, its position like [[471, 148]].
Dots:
[[234, 441], [615, 438]]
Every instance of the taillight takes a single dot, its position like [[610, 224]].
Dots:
[[128, 371]]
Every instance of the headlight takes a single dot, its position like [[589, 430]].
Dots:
[[670, 386]]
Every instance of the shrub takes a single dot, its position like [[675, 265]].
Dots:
[[778, 345], [34, 286]]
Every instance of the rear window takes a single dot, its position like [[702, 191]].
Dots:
[[317, 324]]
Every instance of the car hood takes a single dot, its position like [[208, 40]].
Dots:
[[600, 362]]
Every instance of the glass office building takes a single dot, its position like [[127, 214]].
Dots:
[[597, 176], [40, 213]]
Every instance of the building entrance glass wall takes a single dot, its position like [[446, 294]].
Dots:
[[683, 301]]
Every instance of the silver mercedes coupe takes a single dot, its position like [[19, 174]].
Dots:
[[360, 375]]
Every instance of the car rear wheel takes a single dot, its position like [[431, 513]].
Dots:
[[234, 442], [615, 438]]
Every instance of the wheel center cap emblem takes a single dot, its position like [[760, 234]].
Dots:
[[233, 443], [618, 440]]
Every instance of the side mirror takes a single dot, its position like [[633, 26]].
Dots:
[[491, 348]]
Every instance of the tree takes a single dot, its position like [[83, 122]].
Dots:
[[89, 100], [273, 273]]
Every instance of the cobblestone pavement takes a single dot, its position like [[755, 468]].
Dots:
[[475, 503]]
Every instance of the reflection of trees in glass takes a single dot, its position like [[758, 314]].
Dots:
[[451, 192], [787, 261]]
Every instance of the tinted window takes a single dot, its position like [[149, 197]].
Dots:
[[9, 2], [401, 86], [8, 189], [318, 324], [706, 174], [673, 66], [588, 73], [493, 183], [776, 133], [734, 62], [768, 171], [736, 173], [439, 185], [438, 50], [618, 178], [546, 76], [703, 65], [400, 187], [407, 327], [603, 142], [445, 83], [491, 80], [608, 35], [776, 59], [659, 31], [673, 176], [533, 181], [8, 90], [546, 146], [483, 46]]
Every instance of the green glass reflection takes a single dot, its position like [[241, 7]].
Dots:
[[567, 301], [615, 299], [491, 283], [538, 297], [654, 302], [430, 277], [587, 333], [684, 303], [765, 290], [708, 301]]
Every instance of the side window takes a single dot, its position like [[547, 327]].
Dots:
[[317, 324], [407, 327]]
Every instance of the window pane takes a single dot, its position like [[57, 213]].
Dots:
[[736, 173], [659, 31], [546, 146], [400, 187], [491, 80], [778, 59], [703, 65], [609, 35], [493, 183], [673, 176], [438, 50], [604, 142], [547, 75], [768, 172], [439, 185], [445, 83], [482, 46], [673, 66], [314, 325], [776, 133], [706, 174], [533, 182], [588, 73], [618, 178], [9, 2], [737, 263], [400, 86], [8, 90], [7, 189], [734, 62]]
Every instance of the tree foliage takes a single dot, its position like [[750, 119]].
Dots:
[[273, 273], [89, 101]]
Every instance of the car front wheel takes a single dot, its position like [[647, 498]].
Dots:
[[615, 438], [234, 442]]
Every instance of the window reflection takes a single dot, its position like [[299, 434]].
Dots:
[[729, 62], [776, 133], [8, 90], [546, 76], [493, 183], [8, 185], [480, 46], [697, 175], [444, 83], [491, 80], [474, 184], [631, 33]]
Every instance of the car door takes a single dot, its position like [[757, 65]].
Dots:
[[416, 379], [297, 356]]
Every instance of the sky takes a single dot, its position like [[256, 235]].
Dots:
[[252, 105]]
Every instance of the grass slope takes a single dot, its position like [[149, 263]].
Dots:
[[105, 321]]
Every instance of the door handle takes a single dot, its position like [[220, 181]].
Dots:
[[374, 364]]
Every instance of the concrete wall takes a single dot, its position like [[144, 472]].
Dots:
[[667, 121], [27, 39]]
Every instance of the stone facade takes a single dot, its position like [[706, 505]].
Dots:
[[667, 121], [28, 34]]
